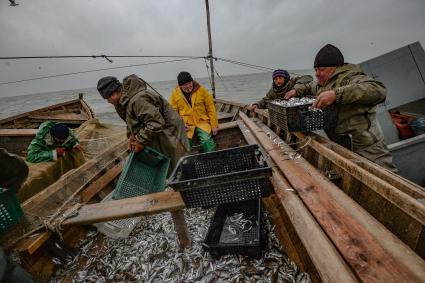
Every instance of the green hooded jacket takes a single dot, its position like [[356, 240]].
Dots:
[[42, 147], [356, 98], [272, 94], [152, 120]]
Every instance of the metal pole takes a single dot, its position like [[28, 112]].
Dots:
[[210, 54]]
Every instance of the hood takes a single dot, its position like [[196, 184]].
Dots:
[[131, 85]]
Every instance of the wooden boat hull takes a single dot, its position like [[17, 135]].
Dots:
[[319, 207]]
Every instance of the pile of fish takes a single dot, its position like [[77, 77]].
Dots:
[[294, 101], [151, 254]]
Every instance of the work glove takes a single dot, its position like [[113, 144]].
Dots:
[[60, 151]]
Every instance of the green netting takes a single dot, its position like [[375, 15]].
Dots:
[[10, 209], [144, 173]]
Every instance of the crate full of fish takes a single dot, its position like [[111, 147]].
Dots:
[[236, 228], [223, 176], [298, 115]]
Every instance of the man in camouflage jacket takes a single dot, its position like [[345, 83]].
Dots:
[[282, 83], [356, 96]]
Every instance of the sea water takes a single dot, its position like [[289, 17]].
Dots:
[[239, 88]]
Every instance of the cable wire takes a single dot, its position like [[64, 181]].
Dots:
[[95, 70]]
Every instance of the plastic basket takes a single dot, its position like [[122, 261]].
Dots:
[[224, 176], [10, 209], [302, 119], [236, 228], [117, 228], [144, 173]]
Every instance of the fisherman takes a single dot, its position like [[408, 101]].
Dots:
[[196, 106], [13, 172], [282, 83], [356, 96], [51, 142], [150, 119]]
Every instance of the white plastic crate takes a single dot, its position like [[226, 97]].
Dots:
[[117, 228]]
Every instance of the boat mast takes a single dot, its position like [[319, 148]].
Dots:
[[210, 54]]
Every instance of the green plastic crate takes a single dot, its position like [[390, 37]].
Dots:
[[10, 209], [144, 173]]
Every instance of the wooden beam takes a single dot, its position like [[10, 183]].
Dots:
[[60, 116], [398, 181], [127, 208], [389, 241], [359, 248], [325, 257], [181, 228], [102, 182], [397, 197], [18, 132]]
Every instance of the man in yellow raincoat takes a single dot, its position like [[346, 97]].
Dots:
[[196, 106]]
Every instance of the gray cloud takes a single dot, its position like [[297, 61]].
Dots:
[[284, 34]]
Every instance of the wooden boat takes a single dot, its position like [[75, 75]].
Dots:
[[340, 217], [16, 132]]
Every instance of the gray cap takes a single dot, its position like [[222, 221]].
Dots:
[[107, 85]]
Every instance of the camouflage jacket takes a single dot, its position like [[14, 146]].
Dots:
[[152, 120], [273, 94], [356, 98]]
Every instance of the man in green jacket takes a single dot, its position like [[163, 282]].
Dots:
[[282, 83], [356, 96], [150, 119], [51, 142]]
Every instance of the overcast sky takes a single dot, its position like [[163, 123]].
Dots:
[[285, 34]]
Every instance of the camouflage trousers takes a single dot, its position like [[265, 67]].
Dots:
[[379, 154]]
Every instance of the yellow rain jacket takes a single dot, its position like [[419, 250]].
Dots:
[[201, 114]]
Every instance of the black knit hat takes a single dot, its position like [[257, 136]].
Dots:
[[184, 78], [60, 131], [329, 56], [107, 85]]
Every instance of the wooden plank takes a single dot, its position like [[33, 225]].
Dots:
[[224, 115], [359, 248], [126, 208], [19, 116], [18, 132], [316, 242], [181, 228], [388, 241], [60, 116], [31, 244], [397, 181], [102, 182], [397, 197]]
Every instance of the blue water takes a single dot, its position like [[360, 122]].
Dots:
[[241, 88]]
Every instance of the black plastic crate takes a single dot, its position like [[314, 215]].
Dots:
[[223, 176], [236, 228], [301, 118]]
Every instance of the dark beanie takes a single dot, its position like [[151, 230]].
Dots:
[[184, 78], [107, 85], [329, 56], [281, 73], [59, 131]]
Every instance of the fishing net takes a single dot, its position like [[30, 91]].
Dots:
[[94, 136]]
